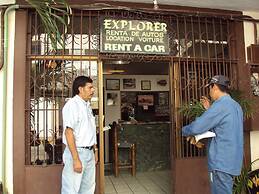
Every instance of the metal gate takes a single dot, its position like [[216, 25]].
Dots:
[[200, 47]]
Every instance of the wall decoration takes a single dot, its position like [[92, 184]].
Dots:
[[163, 98], [112, 84], [145, 100], [162, 82], [129, 83], [112, 99], [145, 85]]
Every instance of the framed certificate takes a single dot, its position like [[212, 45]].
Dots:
[[145, 85], [112, 84]]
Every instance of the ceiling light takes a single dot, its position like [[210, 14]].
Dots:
[[116, 71], [119, 62], [107, 73]]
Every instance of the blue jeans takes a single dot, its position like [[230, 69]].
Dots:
[[220, 182], [78, 183]]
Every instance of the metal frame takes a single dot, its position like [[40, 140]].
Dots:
[[201, 46]]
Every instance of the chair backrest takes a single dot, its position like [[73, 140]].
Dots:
[[113, 141]]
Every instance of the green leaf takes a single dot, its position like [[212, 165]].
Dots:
[[243, 182], [195, 109], [51, 15], [192, 110]]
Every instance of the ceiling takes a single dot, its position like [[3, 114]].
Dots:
[[138, 68], [237, 5]]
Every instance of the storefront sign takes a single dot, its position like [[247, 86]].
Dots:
[[134, 36]]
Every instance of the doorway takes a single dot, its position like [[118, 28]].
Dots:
[[137, 98]]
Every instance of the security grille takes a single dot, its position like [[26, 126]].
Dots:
[[200, 47]]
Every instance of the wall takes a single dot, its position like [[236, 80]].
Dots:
[[9, 113], [249, 30], [254, 135], [192, 176], [115, 110], [7, 2], [9, 117], [1, 102], [254, 139]]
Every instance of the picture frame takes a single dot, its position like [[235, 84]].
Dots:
[[112, 84], [145, 85], [145, 100], [129, 83]]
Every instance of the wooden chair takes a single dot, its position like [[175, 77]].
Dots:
[[117, 146]]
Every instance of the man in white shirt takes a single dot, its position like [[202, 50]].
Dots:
[[79, 136]]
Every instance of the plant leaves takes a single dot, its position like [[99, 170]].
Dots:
[[51, 15], [192, 110], [195, 109], [243, 182]]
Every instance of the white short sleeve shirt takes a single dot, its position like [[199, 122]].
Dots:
[[77, 114]]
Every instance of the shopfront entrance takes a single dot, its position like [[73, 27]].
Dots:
[[137, 108], [199, 46]]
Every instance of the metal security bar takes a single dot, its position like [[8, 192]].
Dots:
[[204, 47], [189, 85], [49, 82], [200, 47]]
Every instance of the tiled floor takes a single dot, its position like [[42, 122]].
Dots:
[[157, 182]]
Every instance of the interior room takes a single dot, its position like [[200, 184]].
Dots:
[[138, 127]]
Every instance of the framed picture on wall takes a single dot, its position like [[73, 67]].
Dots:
[[129, 83], [145, 100], [145, 85], [112, 84]]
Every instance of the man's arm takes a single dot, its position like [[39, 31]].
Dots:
[[96, 153], [208, 120], [77, 165]]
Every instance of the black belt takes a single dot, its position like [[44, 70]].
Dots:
[[87, 147]]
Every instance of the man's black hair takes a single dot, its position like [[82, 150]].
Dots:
[[80, 81], [221, 88]]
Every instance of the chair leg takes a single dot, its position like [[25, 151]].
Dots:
[[116, 168], [133, 160], [116, 162]]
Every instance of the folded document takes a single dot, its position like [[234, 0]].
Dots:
[[207, 134]]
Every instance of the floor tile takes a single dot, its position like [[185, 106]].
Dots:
[[157, 182]]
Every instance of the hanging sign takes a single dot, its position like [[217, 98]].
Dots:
[[134, 36]]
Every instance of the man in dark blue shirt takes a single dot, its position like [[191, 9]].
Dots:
[[225, 151]]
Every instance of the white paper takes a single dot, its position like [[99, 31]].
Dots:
[[106, 128], [145, 107], [207, 134]]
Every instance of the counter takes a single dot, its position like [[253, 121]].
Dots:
[[152, 140]]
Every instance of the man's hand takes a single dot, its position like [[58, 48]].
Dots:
[[199, 144], [96, 156], [193, 142], [77, 165], [191, 139], [205, 102]]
